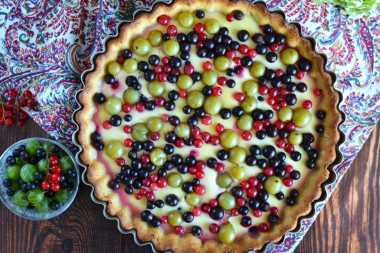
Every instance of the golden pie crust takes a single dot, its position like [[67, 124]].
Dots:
[[97, 176]]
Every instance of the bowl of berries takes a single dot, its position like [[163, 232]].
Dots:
[[39, 178]]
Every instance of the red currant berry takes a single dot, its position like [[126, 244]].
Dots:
[[263, 227], [222, 81], [164, 19], [289, 168], [252, 192], [197, 211], [200, 189], [257, 213], [45, 185], [31, 104], [240, 96], [162, 182], [214, 140], [164, 219], [9, 122], [213, 203], [140, 107], [253, 181], [288, 181], [127, 129], [274, 210], [167, 69], [179, 143], [199, 28], [289, 148], [244, 184], [53, 160], [23, 103], [220, 167], [159, 101], [240, 201], [258, 125], [165, 60], [214, 228], [279, 72], [274, 47], [182, 93], [153, 186], [157, 69], [28, 94], [120, 161], [217, 91], [107, 125], [180, 231], [155, 136], [128, 142], [200, 174], [162, 77], [252, 53], [56, 168], [202, 37], [146, 182], [207, 65], [260, 186], [165, 117], [290, 126], [127, 108], [143, 191], [268, 171], [55, 187], [243, 49], [234, 212], [206, 120], [12, 93], [307, 104], [263, 90], [55, 177], [317, 92], [195, 131], [237, 60], [271, 101], [279, 124], [206, 136], [230, 17], [198, 143], [246, 136], [206, 208], [300, 75], [172, 30], [219, 128], [280, 143], [231, 54], [150, 196], [188, 69]]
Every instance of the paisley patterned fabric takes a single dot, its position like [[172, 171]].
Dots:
[[47, 44]]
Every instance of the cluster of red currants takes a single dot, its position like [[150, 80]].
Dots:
[[12, 104]]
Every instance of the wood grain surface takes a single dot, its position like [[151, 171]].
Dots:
[[350, 222]]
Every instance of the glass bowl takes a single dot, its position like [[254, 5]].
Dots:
[[24, 212]]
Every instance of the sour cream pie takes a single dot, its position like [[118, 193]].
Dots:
[[208, 126]]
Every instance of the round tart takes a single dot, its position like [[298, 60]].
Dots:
[[208, 126]]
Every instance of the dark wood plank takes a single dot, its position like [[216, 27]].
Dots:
[[349, 222]]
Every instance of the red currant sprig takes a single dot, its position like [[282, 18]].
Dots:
[[11, 107]]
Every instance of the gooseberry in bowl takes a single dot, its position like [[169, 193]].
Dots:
[[39, 178]]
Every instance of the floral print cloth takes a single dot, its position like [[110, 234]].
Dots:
[[45, 45]]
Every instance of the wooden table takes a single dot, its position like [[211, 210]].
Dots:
[[350, 222]]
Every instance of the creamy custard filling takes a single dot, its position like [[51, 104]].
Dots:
[[207, 150]]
